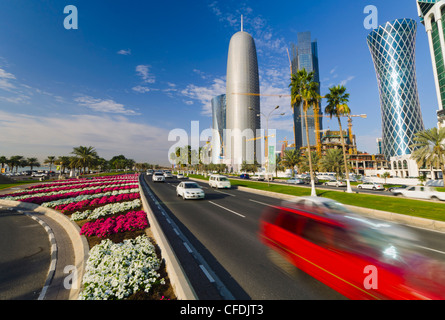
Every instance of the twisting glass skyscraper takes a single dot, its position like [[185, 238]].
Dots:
[[392, 48], [431, 14]]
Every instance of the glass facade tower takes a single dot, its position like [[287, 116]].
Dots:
[[392, 49], [305, 56], [218, 125], [431, 13]]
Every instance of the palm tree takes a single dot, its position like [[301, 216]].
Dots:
[[429, 148], [305, 90], [50, 160], [85, 156], [63, 162], [33, 162], [291, 158], [332, 162], [3, 161], [337, 100], [14, 161]]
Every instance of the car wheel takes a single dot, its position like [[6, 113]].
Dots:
[[434, 198], [374, 188], [359, 187]]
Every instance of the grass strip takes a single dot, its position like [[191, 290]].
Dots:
[[410, 207]]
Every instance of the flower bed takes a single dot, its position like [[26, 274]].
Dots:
[[116, 271], [123, 262], [133, 220]]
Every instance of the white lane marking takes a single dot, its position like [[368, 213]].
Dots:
[[206, 273], [187, 247], [266, 204], [225, 193], [426, 248], [238, 214]]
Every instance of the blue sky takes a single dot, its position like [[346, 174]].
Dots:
[[135, 70]]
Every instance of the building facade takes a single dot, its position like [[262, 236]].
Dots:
[[243, 101], [305, 56], [431, 13], [219, 120], [392, 48]]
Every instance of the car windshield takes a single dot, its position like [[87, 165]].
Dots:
[[158, 174], [223, 179], [191, 185]]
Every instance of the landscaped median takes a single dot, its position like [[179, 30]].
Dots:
[[124, 261], [409, 207]]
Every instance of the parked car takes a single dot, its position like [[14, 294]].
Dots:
[[336, 183], [295, 181], [420, 193], [219, 181], [189, 190], [244, 176], [180, 176], [307, 180], [158, 177], [343, 250], [257, 177], [371, 186]]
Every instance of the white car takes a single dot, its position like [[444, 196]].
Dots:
[[295, 181], [168, 174], [420, 193], [336, 183], [219, 181], [180, 176], [371, 186], [158, 177], [257, 177], [189, 190]]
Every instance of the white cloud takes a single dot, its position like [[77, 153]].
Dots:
[[144, 72], [111, 135], [107, 106], [348, 79], [205, 94], [5, 78], [124, 52], [141, 89]]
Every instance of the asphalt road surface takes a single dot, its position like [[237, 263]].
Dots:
[[24, 256], [224, 228]]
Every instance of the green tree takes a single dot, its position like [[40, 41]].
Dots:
[[86, 157], [50, 160], [332, 161], [32, 162], [429, 149], [304, 90], [3, 161], [63, 162], [14, 162], [386, 175], [337, 100], [290, 159]]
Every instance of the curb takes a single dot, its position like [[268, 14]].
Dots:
[[424, 223], [178, 279], [80, 244]]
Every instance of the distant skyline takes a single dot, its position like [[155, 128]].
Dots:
[[133, 71]]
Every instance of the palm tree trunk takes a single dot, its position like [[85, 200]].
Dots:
[[348, 187], [313, 191]]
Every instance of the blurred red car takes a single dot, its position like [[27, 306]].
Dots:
[[357, 257]]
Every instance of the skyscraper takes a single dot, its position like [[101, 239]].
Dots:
[[431, 13], [242, 107], [392, 48], [219, 125], [305, 56]]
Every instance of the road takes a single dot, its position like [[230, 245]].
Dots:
[[224, 228], [24, 258]]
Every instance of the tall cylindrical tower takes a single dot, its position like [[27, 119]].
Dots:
[[393, 48], [242, 109]]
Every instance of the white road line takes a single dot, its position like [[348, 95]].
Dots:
[[187, 247], [266, 204], [426, 248], [227, 209], [225, 193], [206, 273]]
